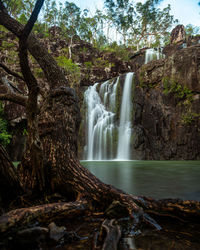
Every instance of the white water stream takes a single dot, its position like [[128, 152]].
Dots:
[[102, 129], [153, 54], [123, 150]]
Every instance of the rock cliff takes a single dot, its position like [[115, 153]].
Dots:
[[166, 103]]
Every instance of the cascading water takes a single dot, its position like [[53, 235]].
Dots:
[[102, 127], [153, 54], [123, 151], [100, 120]]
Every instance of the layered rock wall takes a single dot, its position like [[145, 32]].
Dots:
[[167, 101]]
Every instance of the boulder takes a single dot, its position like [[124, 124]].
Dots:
[[178, 34]]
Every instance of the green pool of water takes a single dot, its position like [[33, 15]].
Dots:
[[157, 179]]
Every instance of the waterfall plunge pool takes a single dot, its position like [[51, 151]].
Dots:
[[156, 179]]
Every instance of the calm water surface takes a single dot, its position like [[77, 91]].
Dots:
[[157, 179]]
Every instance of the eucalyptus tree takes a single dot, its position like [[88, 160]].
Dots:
[[50, 13], [151, 25], [121, 13], [192, 30], [69, 21], [14, 7], [142, 24]]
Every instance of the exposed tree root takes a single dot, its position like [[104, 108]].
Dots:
[[110, 234], [174, 208], [22, 217]]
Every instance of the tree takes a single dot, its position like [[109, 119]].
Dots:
[[192, 30], [121, 12], [50, 163], [151, 25]]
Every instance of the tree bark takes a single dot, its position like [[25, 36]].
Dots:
[[9, 183], [22, 217]]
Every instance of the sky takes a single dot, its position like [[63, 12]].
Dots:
[[186, 11]]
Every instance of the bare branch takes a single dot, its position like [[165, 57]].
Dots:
[[31, 81], [33, 18], [9, 85], [18, 99], [10, 72], [10, 95]]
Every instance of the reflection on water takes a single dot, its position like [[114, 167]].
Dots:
[[157, 179]]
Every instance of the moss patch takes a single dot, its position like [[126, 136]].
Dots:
[[179, 91]]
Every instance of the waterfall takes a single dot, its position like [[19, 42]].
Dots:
[[123, 151], [106, 137], [100, 120], [153, 54]]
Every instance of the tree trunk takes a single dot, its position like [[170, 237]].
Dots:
[[58, 124], [9, 182]]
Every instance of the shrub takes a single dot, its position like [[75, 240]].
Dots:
[[4, 135]]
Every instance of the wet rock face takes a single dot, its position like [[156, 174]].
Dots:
[[161, 132], [137, 59], [184, 67], [167, 125]]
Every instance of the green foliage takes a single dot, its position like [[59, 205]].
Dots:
[[25, 132], [7, 45], [38, 72], [179, 91], [192, 30], [143, 83], [189, 118], [121, 12], [72, 69], [88, 65], [138, 24], [119, 50], [4, 135], [151, 24], [100, 62]]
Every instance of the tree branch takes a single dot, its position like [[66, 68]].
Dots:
[[42, 213], [31, 81], [33, 18], [52, 71], [9, 85], [18, 99], [10, 72], [10, 95]]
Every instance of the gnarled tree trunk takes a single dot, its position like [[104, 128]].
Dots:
[[58, 124], [9, 183]]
